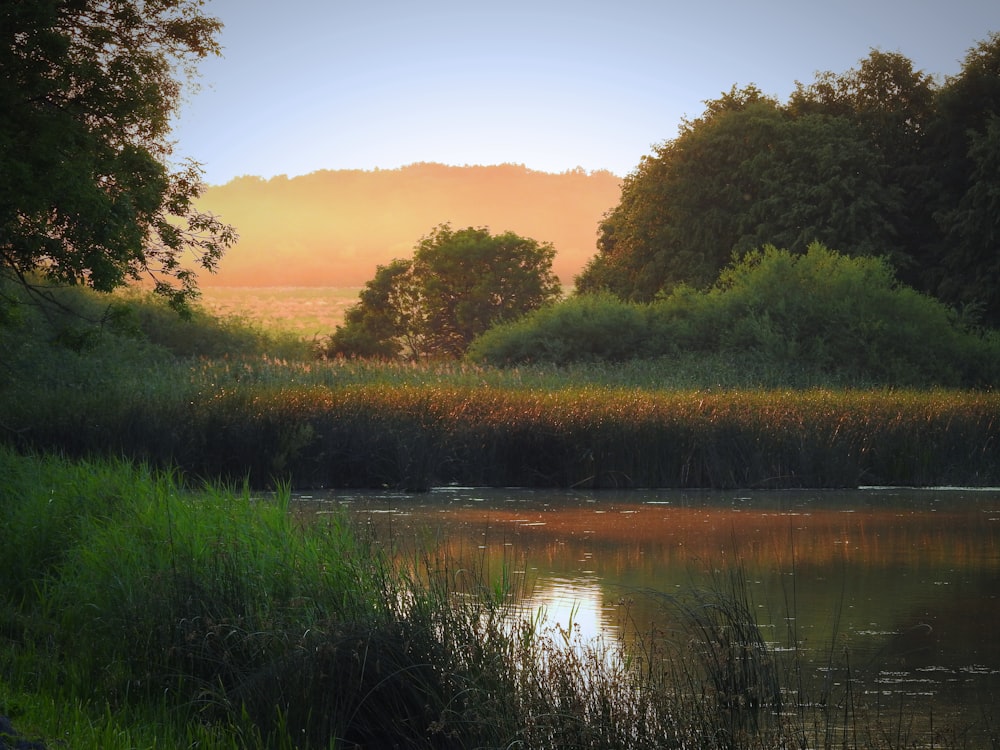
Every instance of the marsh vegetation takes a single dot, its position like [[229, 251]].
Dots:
[[152, 597], [151, 594]]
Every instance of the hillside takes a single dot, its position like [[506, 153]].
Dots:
[[332, 228]]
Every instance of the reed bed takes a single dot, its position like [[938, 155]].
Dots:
[[334, 425]]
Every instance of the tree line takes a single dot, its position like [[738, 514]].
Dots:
[[334, 227], [878, 161], [877, 165]]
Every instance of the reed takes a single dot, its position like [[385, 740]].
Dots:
[[686, 421], [335, 425]]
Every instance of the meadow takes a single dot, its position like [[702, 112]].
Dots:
[[307, 312]]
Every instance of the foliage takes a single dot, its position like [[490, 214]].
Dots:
[[56, 346], [385, 319], [820, 312], [641, 242], [86, 194], [584, 328], [890, 102], [878, 161], [974, 226], [966, 140], [458, 284], [732, 181], [827, 311]]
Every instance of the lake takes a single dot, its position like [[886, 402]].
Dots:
[[891, 591]]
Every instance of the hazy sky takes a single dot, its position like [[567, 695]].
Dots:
[[358, 84]]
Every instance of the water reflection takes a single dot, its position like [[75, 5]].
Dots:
[[575, 607], [896, 588]]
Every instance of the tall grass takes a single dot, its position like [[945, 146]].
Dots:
[[152, 615], [334, 425]]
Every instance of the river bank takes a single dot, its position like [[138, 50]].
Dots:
[[138, 612]]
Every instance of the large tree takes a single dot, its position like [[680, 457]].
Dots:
[[875, 161], [894, 106], [458, 284], [386, 319], [675, 220], [87, 192], [746, 174], [965, 138]]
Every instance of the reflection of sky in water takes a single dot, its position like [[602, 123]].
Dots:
[[851, 568], [576, 604]]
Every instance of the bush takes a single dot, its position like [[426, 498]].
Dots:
[[585, 328], [41, 332], [821, 312], [831, 312]]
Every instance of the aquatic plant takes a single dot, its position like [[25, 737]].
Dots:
[[415, 427]]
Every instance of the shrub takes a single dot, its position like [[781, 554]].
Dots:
[[820, 312], [829, 311], [58, 322], [586, 328]]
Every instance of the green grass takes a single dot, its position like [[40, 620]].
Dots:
[[147, 614]]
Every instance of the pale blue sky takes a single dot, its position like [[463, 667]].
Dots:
[[336, 84]]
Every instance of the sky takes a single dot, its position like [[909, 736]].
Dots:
[[305, 85]]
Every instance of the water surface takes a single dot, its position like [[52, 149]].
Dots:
[[894, 589]]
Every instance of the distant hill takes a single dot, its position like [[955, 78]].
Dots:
[[332, 228]]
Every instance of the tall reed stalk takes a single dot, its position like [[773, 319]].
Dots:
[[330, 425]]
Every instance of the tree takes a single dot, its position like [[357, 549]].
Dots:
[[972, 263], [966, 143], [894, 107], [458, 284], [384, 320], [86, 95], [675, 221], [892, 102], [746, 174]]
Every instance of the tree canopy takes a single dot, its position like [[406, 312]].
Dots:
[[87, 193], [457, 285], [878, 161]]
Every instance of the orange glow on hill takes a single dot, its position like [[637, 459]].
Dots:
[[332, 228]]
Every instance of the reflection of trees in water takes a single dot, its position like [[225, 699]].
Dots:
[[839, 593], [650, 535]]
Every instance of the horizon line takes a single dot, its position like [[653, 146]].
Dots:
[[284, 176]]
